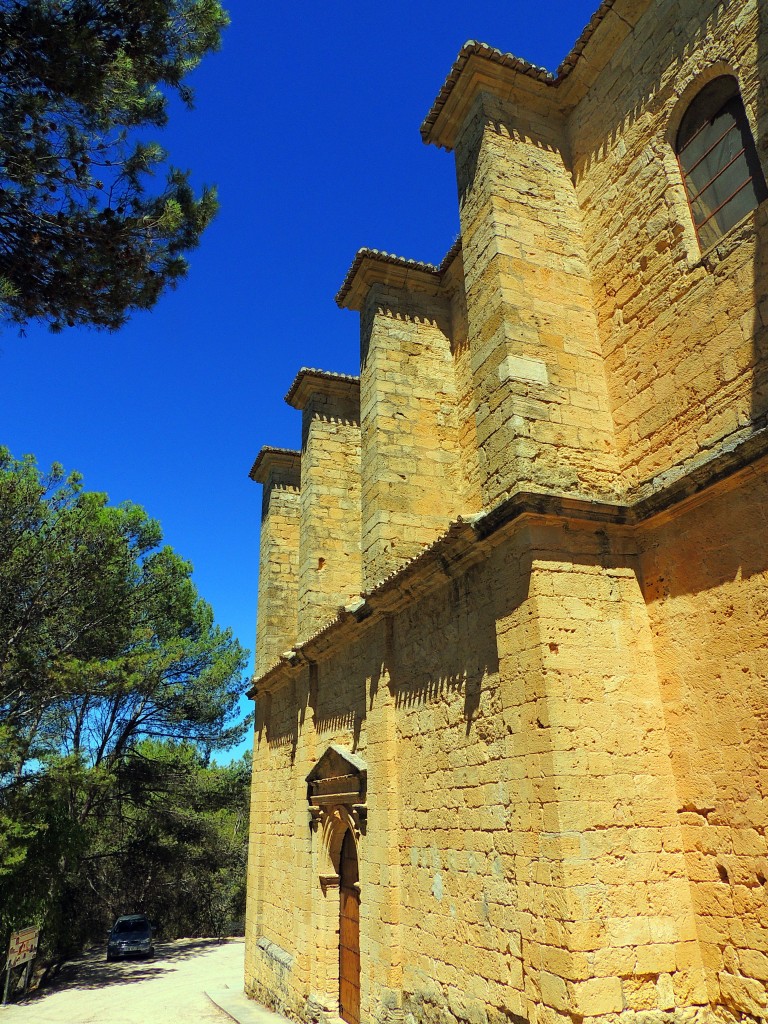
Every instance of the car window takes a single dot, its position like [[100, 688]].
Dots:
[[130, 926]]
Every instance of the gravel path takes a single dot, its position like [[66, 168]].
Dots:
[[168, 989]]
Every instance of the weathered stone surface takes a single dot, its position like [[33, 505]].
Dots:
[[279, 472], [552, 647], [330, 571]]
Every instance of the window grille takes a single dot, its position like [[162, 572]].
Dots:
[[718, 160]]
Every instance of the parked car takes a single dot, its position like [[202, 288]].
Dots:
[[131, 935]]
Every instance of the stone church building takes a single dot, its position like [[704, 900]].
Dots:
[[511, 748]]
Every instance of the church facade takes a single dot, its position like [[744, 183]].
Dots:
[[511, 747]]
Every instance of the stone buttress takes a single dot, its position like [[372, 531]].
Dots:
[[329, 537], [279, 472], [516, 578]]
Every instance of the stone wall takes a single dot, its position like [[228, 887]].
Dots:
[[466, 405], [554, 671], [537, 841], [704, 578], [330, 566], [542, 410], [411, 473], [683, 333], [279, 473]]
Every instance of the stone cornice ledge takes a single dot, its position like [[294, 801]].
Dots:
[[480, 67], [462, 545], [269, 459], [373, 266], [307, 382]]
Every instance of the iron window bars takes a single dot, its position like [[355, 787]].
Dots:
[[718, 160]]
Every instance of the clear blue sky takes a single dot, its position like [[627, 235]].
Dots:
[[308, 122]]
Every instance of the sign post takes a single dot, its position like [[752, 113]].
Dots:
[[22, 950]]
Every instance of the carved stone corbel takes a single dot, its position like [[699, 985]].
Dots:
[[360, 817], [316, 815]]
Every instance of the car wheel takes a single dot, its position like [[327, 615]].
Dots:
[[110, 958]]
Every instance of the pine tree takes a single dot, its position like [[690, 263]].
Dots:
[[86, 234]]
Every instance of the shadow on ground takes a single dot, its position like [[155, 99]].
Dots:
[[91, 971]]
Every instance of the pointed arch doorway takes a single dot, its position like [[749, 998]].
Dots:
[[349, 932], [336, 791]]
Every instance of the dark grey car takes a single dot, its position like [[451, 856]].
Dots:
[[131, 935]]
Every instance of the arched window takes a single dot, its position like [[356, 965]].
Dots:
[[718, 160]]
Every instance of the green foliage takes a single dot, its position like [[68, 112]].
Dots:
[[83, 240], [39, 840], [102, 632], [167, 837], [115, 686], [68, 565], [181, 826]]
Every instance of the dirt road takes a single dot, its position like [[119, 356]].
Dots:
[[168, 989]]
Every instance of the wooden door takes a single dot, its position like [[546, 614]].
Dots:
[[349, 933]]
